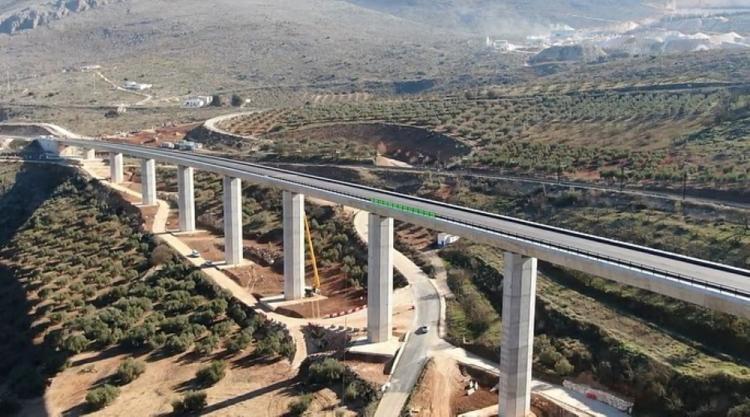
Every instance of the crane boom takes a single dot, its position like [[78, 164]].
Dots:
[[316, 277]]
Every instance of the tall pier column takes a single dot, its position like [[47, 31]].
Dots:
[[186, 198], [516, 349], [115, 168], [148, 182], [294, 245], [232, 220], [379, 278], [89, 154]]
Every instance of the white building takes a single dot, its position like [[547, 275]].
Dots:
[[198, 102], [89, 68], [132, 85], [445, 239], [501, 45]]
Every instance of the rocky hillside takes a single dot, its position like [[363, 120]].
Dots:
[[514, 19], [569, 53], [30, 16]]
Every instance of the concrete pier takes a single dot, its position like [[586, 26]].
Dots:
[[186, 198], [232, 220], [379, 278], [148, 182], [516, 350], [89, 154], [115, 168], [294, 245]]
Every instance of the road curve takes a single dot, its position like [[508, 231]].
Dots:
[[416, 349]]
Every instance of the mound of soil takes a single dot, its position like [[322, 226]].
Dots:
[[409, 144]]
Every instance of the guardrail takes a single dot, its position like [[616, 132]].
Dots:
[[636, 266]]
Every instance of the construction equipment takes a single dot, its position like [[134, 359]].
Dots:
[[316, 277]]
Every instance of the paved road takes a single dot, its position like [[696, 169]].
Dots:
[[663, 195], [418, 347], [712, 285]]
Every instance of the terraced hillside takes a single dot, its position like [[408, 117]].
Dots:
[[650, 137], [671, 358], [85, 288]]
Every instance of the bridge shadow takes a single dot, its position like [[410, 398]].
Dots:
[[20, 357]]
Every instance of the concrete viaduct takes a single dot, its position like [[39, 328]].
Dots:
[[715, 286]]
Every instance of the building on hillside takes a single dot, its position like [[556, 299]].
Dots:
[[197, 102], [501, 45], [132, 85]]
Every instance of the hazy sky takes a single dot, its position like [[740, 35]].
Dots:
[[712, 3]]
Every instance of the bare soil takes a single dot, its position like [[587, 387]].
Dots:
[[409, 144], [250, 387], [373, 372], [440, 385], [418, 237], [169, 133]]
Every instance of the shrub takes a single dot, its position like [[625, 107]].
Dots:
[[742, 410], [563, 367], [76, 343], [101, 397], [178, 343], [297, 408], [222, 328], [129, 370], [211, 374], [191, 402], [239, 342], [351, 393], [325, 372], [138, 337], [162, 254], [176, 324], [207, 345], [236, 100]]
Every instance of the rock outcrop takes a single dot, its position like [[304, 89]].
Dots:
[[44, 13], [569, 53]]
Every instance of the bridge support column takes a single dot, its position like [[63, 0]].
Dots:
[[294, 245], [89, 154], [232, 220], [186, 198], [115, 168], [148, 182], [516, 350], [379, 278]]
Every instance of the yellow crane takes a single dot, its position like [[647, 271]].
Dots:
[[316, 276]]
